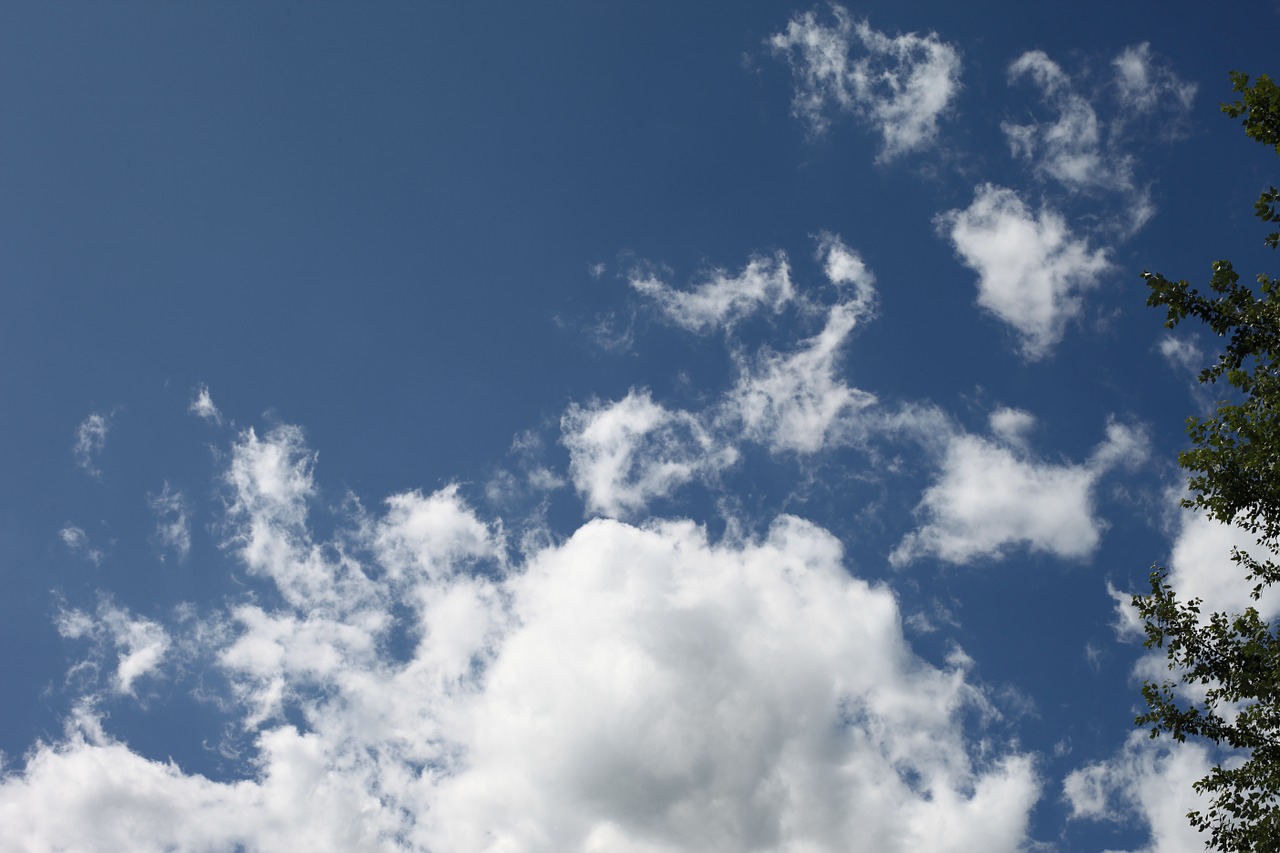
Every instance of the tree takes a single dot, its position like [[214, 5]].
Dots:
[[1234, 468]]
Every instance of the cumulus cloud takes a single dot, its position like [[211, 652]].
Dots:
[[627, 688], [202, 406], [900, 85], [91, 438], [1152, 779], [723, 300], [625, 453], [992, 496], [1147, 780], [1031, 269], [173, 527]]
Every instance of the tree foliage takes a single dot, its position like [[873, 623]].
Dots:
[[1233, 660]]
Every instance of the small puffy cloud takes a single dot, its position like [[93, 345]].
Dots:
[[1031, 269], [845, 268], [1182, 353], [900, 85], [139, 645], [91, 438], [992, 496], [173, 527], [626, 453], [723, 300], [1148, 780], [436, 534], [202, 406], [1011, 426], [77, 541], [1145, 82]]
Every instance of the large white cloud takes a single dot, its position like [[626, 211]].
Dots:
[[1031, 269], [993, 496], [629, 688], [901, 85]]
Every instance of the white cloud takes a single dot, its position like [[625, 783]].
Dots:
[[626, 453], [1149, 780], [796, 401], [173, 527], [1152, 779], [77, 541], [91, 438], [626, 689], [1182, 353], [1071, 148], [1145, 83], [845, 268], [992, 497], [901, 85], [1031, 269], [723, 300], [139, 644], [202, 406]]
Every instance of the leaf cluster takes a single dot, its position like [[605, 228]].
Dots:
[[1232, 660]]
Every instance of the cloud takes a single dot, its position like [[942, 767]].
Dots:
[[1088, 151], [626, 453], [1070, 149], [993, 496], [1146, 83], [77, 541], [91, 438], [1148, 780], [626, 688], [795, 401], [1031, 269], [1152, 779], [138, 644], [202, 406], [723, 300], [173, 527], [901, 86]]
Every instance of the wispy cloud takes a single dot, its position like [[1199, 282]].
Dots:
[[202, 406], [900, 85], [138, 645], [90, 439], [173, 527], [624, 454], [722, 299], [77, 541]]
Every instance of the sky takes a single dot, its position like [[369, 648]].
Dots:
[[610, 426]]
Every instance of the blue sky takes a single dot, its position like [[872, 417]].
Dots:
[[602, 426]]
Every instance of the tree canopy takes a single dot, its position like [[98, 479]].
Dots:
[[1231, 659]]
